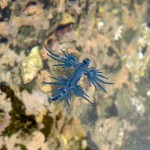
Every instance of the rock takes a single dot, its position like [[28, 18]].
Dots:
[[31, 65]]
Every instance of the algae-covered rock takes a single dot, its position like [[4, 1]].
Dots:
[[124, 105], [67, 19], [5, 108], [31, 65]]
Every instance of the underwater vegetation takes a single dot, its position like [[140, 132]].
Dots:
[[66, 86]]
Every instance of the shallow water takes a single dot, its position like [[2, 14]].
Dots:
[[114, 35]]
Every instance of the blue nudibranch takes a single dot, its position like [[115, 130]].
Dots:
[[66, 86]]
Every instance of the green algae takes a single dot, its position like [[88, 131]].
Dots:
[[2, 113], [29, 86], [48, 122], [19, 120], [22, 147], [26, 37], [4, 148]]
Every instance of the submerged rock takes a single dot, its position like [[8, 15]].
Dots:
[[31, 65]]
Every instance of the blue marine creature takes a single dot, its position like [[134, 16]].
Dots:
[[68, 86]]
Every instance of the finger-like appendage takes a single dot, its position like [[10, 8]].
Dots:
[[55, 83], [54, 55], [97, 83], [78, 91], [95, 77], [61, 81], [67, 61], [68, 98]]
